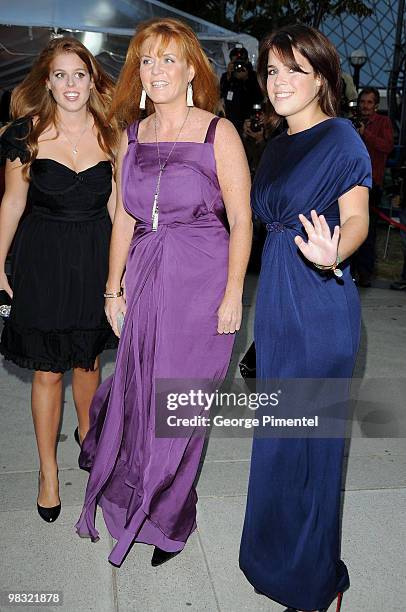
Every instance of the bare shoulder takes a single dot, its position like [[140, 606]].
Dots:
[[123, 143], [199, 124], [227, 136], [201, 116], [146, 121], [226, 129]]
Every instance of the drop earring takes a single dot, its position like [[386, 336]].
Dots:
[[189, 95], [143, 99]]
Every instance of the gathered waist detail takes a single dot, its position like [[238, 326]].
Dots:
[[205, 221], [275, 226], [70, 215]]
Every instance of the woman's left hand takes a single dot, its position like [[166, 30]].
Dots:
[[321, 247], [229, 314]]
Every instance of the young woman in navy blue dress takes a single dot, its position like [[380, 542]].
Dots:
[[311, 190]]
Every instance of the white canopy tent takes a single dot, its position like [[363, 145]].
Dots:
[[104, 26]]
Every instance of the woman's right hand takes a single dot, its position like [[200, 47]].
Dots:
[[4, 285], [112, 307]]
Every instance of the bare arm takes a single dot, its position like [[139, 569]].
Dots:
[[111, 204], [354, 220], [11, 210], [322, 247], [235, 182], [123, 228]]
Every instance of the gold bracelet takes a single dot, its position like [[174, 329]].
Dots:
[[114, 294], [333, 268]]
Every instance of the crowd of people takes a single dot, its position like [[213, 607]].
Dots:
[[139, 234]]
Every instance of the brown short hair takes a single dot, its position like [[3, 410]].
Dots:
[[319, 52], [128, 92]]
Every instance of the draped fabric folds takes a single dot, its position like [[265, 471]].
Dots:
[[175, 281], [307, 325]]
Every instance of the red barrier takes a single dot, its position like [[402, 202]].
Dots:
[[388, 219]]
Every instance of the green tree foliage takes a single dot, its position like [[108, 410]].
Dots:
[[258, 18]]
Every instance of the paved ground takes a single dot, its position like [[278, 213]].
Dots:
[[37, 556]]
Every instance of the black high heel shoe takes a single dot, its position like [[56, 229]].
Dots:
[[161, 556], [76, 436], [49, 515]]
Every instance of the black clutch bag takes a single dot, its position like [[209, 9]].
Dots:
[[247, 365], [5, 304]]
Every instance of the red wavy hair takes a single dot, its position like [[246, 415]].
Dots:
[[31, 98], [125, 106]]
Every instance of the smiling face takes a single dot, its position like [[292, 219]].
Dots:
[[69, 81], [164, 76], [292, 93]]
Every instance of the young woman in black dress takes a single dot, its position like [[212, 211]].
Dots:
[[59, 151]]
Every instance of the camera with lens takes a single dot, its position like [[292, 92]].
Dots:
[[239, 66], [239, 59], [256, 118], [354, 115]]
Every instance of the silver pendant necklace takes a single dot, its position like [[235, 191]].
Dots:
[[74, 146], [155, 207]]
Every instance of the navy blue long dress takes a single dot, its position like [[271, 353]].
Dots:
[[307, 325]]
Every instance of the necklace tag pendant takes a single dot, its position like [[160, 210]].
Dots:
[[155, 214]]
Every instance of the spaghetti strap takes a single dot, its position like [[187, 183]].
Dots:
[[211, 130], [132, 132]]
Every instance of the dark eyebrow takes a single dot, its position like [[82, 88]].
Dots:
[[287, 65]]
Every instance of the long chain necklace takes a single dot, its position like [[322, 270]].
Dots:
[[75, 146], [155, 207]]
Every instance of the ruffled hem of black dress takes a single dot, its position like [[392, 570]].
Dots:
[[55, 351]]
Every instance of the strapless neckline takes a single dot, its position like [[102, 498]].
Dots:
[[49, 159]]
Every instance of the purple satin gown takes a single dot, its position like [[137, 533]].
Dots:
[[175, 281]]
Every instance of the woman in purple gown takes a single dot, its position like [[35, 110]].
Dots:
[[183, 179]]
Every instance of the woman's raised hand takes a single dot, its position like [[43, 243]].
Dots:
[[321, 247]]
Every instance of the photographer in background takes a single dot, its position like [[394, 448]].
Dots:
[[254, 137], [239, 88], [377, 133], [349, 94]]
